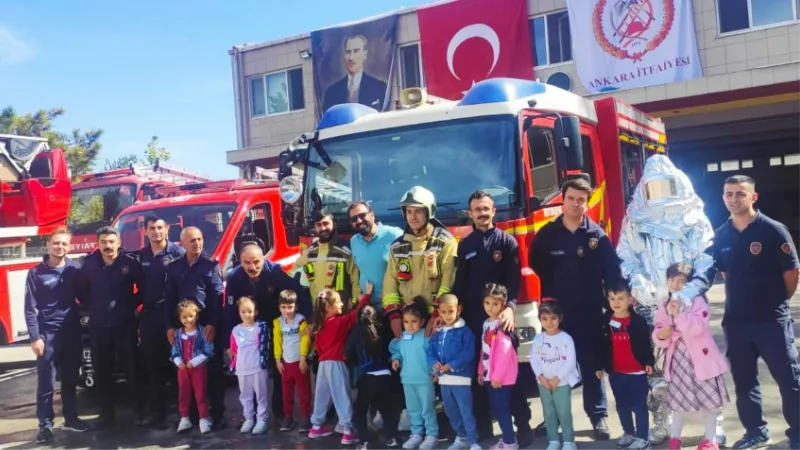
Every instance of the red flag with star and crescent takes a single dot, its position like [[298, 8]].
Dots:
[[467, 41]]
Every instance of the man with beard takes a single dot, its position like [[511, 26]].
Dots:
[[263, 281], [55, 332], [108, 277], [575, 260], [490, 255], [422, 262], [328, 262], [197, 277], [155, 257]]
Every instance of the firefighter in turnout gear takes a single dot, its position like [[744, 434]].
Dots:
[[328, 262], [422, 262]]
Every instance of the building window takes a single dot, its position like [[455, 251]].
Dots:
[[277, 93], [410, 67], [551, 42], [735, 15]]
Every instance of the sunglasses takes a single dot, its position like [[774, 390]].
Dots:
[[357, 217]]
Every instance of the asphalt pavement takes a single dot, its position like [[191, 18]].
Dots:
[[18, 424]]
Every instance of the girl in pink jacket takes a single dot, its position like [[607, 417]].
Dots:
[[694, 364], [497, 366]]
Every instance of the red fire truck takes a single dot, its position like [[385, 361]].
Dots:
[[97, 198], [517, 140], [34, 201]]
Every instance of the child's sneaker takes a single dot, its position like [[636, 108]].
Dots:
[[429, 443], [413, 442], [247, 426], [304, 426], [459, 444], [184, 424], [261, 427], [503, 446], [319, 432], [349, 437], [625, 441], [205, 426], [361, 446], [705, 444], [674, 444], [475, 446], [639, 444], [392, 443], [569, 446], [287, 424], [554, 445]]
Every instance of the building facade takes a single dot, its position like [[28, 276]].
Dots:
[[742, 116]]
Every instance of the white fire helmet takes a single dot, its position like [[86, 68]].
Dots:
[[419, 196]]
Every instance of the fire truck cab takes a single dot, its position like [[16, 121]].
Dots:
[[515, 139], [34, 201], [98, 198]]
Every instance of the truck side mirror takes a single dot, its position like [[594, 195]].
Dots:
[[568, 139]]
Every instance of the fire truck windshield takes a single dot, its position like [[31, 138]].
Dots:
[[93, 207], [211, 218], [451, 159]]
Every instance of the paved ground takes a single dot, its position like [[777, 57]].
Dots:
[[18, 423]]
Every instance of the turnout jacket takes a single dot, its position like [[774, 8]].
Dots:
[[331, 265]]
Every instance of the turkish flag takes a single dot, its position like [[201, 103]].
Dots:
[[467, 41]]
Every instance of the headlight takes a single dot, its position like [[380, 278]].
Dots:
[[526, 334]]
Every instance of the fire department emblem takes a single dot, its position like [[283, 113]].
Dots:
[[593, 243], [755, 248], [628, 29], [497, 255], [166, 261], [787, 248], [125, 270], [580, 251], [431, 260]]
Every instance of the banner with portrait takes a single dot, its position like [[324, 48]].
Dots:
[[354, 63]]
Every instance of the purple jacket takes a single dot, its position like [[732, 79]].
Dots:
[[693, 326]]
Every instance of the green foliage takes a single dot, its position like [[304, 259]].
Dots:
[[154, 153], [122, 162], [83, 211], [81, 148]]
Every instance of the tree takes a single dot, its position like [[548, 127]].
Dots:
[[122, 162], [154, 153], [81, 148]]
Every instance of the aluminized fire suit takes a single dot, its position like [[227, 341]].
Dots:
[[664, 224]]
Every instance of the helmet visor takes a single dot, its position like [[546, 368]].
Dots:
[[660, 189]]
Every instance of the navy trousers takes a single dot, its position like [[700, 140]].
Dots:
[[111, 346], [62, 352], [155, 356], [774, 343], [630, 394]]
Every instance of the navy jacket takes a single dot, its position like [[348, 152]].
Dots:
[[455, 347], [155, 272], [574, 268], [50, 295], [485, 257], [265, 290], [107, 291], [201, 282], [371, 92]]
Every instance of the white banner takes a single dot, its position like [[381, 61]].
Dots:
[[625, 44]]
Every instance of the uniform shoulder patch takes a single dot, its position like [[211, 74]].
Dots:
[[786, 248]]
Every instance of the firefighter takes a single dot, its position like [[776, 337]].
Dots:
[[155, 257], [758, 260], [328, 261], [422, 262], [263, 281], [490, 255], [108, 277], [197, 277], [574, 260], [55, 332]]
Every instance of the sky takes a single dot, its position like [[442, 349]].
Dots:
[[149, 67]]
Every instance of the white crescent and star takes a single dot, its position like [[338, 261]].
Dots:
[[476, 30]]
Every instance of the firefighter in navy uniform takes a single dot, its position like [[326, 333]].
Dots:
[[155, 257], [490, 255], [262, 281], [108, 277], [575, 260], [759, 262], [55, 333], [197, 277]]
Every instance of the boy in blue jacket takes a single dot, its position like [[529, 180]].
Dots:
[[451, 353]]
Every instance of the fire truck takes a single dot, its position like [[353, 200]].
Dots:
[[515, 139], [34, 201], [97, 198]]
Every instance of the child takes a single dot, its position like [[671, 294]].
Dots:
[[555, 365], [694, 364], [452, 355], [367, 343], [290, 344], [248, 350], [411, 353], [497, 366], [628, 360], [329, 330], [189, 353]]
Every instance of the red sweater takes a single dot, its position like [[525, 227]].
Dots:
[[622, 358], [332, 337]]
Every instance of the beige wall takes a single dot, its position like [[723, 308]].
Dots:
[[734, 61]]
